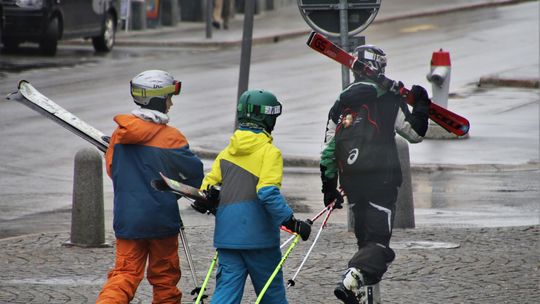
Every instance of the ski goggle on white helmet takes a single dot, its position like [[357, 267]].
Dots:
[[153, 83]]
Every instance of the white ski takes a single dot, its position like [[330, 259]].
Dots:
[[32, 98]]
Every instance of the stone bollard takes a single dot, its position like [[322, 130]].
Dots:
[[138, 15], [170, 13], [405, 205], [87, 213]]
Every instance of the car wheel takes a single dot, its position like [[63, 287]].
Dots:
[[49, 43], [105, 42]]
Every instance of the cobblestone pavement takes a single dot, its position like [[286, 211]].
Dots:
[[490, 265]]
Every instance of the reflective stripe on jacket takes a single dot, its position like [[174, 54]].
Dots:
[[138, 151], [251, 208]]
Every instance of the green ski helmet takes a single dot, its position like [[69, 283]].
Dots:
[[259, 109]]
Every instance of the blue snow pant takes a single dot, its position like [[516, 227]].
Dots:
[[235, 265]]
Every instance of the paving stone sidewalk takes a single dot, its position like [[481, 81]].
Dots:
[[490, 265]]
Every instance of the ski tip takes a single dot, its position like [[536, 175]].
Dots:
[[465, 129], [21, 82], [310, 37]]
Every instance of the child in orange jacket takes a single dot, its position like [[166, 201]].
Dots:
[[147, 222]]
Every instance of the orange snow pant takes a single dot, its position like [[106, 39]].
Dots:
[[163, 271]]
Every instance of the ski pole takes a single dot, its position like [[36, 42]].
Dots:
[[310, 221], [201, 290], [330, 208], [278, 267], [187, 251], [287, 241], [206, 279]]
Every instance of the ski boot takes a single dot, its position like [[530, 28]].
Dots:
[[350, 290]]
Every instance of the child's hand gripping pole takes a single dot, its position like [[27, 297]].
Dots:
[[328, 208], [309, 221]]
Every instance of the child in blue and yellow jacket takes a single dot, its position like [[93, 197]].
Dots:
[[251, 208]]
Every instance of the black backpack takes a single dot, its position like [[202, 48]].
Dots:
[[357, 139]]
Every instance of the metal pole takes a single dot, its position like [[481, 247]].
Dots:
[[245, 57], [189, 258], [209, 9], [128, 15], [344, 35]]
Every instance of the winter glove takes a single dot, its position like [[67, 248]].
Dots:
[[420, 96], [329, 190], [300, 227], [204, 207], [210, 204]]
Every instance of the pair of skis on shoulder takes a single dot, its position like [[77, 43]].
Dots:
[[447, 119]]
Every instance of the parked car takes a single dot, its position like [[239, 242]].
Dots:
[[48, 21]]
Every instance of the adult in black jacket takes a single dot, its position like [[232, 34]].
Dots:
[[360, 150]]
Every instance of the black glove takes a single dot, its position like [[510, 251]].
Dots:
[[333, 196], [210, 204], [420, 96], [329, 190], [300, 227], [204, 207]]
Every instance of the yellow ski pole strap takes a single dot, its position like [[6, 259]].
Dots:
[[278, 267]]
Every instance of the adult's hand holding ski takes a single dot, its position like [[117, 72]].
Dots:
[[32, 98], [447, 119]]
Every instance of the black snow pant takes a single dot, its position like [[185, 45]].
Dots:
[[374, 212]]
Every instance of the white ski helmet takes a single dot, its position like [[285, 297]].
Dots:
[[372, 56], [151, 88]]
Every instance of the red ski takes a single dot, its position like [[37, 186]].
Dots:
[[447, 119]]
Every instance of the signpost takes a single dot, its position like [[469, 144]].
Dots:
[[324, 16], [340, 19]]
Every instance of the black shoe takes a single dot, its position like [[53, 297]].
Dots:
[[216, 25], [345, 295]]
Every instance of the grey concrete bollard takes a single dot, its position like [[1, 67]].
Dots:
[[405, 205], [170, 13], [87, 213], [138, 15]]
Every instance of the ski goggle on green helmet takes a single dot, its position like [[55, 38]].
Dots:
[[258, 107]]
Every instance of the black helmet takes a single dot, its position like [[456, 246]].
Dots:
[[258, 108], [372, 56]]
